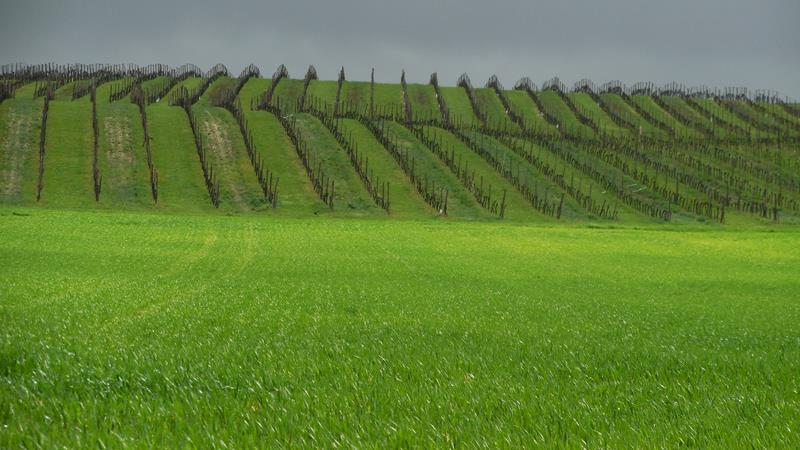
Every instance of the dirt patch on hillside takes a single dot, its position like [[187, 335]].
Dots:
[[15, 146], [120, 141], [219, 145], [218, 141], [120, 180]]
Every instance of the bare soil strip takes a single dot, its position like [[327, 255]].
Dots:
[[15, 146], [219, 145]]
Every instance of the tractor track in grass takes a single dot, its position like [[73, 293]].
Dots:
[[219, 144], [15, 147], [119, 152]]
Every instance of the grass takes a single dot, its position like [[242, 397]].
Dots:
[[122, 158], [355, 96], [68, 155], [295, 194], [460, 202], [619, 107], [227, 155], [765, 120], [587, 106], [681, 109], [155, 82], [288, 92], [458, 105], [711, 106], [423, 102], [780, 112], [389, 97], [493, 109], [522, 104], [350, 194], [215, 91], [750, 179], [189, 83], [65, 92], [517, 208], [536, 180], [647, 104], [567, 120], [405, 202], [324, 91], [180, 178], [123, 329]]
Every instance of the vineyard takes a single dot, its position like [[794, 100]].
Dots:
[[187, 140]]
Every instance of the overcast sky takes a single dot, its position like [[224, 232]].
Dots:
[[753, 43]]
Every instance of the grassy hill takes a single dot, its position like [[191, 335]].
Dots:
[[610, 155]]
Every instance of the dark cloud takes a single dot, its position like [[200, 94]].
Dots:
[[712, 42]]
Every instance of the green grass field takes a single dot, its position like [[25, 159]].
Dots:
[[153, 330]]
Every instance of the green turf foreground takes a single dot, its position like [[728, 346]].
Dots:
[[146, 330]]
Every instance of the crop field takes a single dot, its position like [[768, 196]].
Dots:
[[192, 258], [168, 330]]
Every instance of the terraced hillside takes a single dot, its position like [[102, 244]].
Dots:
[[157, 138]]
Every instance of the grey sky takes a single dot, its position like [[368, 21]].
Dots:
[[714, 42]]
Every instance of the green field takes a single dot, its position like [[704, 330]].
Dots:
[[153, 330]]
